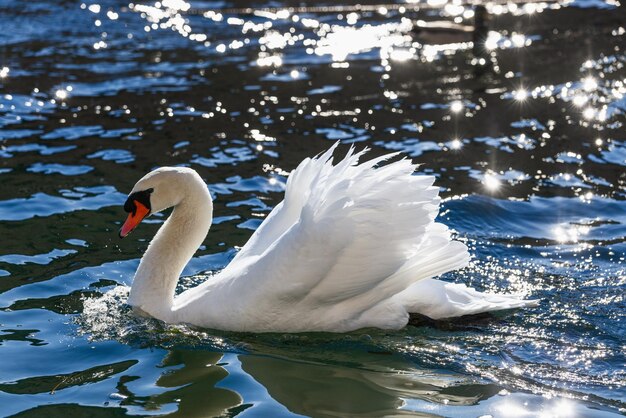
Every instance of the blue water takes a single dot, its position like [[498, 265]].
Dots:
[[528, 147]]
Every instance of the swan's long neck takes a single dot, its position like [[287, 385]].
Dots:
[[169, 252]]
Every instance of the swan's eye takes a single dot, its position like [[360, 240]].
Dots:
[[142, 197], [129, 205]]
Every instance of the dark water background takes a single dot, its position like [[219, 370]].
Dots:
[[530, 155]]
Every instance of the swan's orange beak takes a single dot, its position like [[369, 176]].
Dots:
[[134, 218]]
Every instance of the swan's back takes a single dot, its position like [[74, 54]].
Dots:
[[332, 256]]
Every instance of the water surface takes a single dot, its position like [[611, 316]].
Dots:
[[526, 141]]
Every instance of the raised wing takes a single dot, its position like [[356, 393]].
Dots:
[[346, 237]]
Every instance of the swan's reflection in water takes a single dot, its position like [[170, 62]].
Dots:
[[310, 389], [196, 383], [190, 381]]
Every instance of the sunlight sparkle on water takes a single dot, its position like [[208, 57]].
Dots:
[[235, 21], [587, 196], [4, 72], [512, 409], [166, 15], [258, 136], [269, 60], [352, 18], [342, 41], [274, 39], [570, 233], [531, 8], [61, 94], [520, 95], [401, 54], [176, 4], [560, 409], [456, 106], [518, 40], [456, 144], [491, 182], [430, 52], [589, 113], [563, 408], [590, 83], [454, 9], [492, 40], [198, 37], [580, 100]]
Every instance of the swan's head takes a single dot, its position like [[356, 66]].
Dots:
[[158, 190]]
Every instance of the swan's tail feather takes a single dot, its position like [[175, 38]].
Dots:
[[437, 299]]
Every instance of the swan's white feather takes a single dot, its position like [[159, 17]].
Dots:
[[342, 247], [352, 245], [441, 300]]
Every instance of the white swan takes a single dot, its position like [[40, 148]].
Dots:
[[350, 246]]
